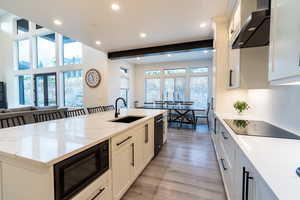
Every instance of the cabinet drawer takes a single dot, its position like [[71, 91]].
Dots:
[[121, 140], [228, 172], [227, 144], [98, 190]]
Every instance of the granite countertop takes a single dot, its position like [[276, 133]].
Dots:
[[47, 143], [275, 159]]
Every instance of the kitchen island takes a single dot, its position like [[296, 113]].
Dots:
[[29, 154]]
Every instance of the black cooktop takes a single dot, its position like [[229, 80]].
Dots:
[[259, 128]]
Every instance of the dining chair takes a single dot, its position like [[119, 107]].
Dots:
[[43, 117], [109, 107], [95, 109], [204, 116], [75, 112], [12, 121]]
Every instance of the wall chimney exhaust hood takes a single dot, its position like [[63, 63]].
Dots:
[[256, 30]]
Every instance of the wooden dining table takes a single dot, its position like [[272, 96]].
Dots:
[[183, 112]]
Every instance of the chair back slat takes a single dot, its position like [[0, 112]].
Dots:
[[43, 117], [12, 121], [95, 109], [75, 113]]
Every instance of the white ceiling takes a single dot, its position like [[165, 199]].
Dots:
[[164, 21], [175, 57]]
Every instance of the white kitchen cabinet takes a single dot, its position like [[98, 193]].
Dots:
[[234, 68], [138, 149], [244, 177], [122, 168], [148, 142], [284, 59], [263, 192], [235, 22]]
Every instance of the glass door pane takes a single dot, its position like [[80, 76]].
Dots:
[[152, 90], [40, 97], [199, 91], [45, 89], [179, 89], [169, 89], [51, 80]]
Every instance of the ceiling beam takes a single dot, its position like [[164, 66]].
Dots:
[[171, 48]]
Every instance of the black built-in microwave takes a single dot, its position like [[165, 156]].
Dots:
[[75, 173]]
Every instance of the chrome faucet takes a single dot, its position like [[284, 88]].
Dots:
[[117, 111]]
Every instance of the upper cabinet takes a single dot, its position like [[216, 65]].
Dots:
[[247, 67], [284, 59]]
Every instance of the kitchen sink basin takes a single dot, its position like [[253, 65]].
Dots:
[[128, 119]]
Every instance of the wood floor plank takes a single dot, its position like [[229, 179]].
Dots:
[[185, 169]]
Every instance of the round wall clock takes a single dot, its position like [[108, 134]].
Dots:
[[93, 78]]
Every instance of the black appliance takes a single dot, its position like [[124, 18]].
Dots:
[[3, 98], [77, 172], [258, 128], [158, 133], [256, 30]]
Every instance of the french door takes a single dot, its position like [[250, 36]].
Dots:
[[45, 89], [174, 89]]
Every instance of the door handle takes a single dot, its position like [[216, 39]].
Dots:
[[100, 192], [132, 151], [146, 134], [118, 144], [245, 188], [223, 164], [230, 78]]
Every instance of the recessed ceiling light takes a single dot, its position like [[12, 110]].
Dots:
[[205, 51], [57, 22], [98, 42], [203, 25], [143, 35], [115, 6], [138, 58], [169, 55]]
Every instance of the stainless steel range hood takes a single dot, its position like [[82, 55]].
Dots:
[[256, 31]]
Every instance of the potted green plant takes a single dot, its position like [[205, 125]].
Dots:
[[241, 106]]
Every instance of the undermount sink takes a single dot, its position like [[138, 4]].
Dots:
[[128, 119]]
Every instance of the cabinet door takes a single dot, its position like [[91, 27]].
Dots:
[[285, 41], [138, 149], [244, 178], [148, 142], [234, 67], [122, 169]]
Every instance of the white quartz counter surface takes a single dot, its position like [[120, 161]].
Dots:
[[47, 143], [275, 159]]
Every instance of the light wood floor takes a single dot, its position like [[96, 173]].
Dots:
[[185, 169]]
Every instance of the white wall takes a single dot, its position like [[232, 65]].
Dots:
[[114, 81], [278, 105], [92, 58], [140, 78]]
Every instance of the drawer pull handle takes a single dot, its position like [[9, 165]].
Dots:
[[118, 144], [133, 162], [146, 134], [224, 135], [100, 192], [223, 164]]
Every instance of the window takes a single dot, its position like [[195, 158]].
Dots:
[[152, 90], [199, 91], [152, 72], [46, 51], [73, 88], [22, 26], [45, 89], [174, 89], [72, 51], [174, 71], [124, 87], [199, 70], [25, 90], [23, 54]]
